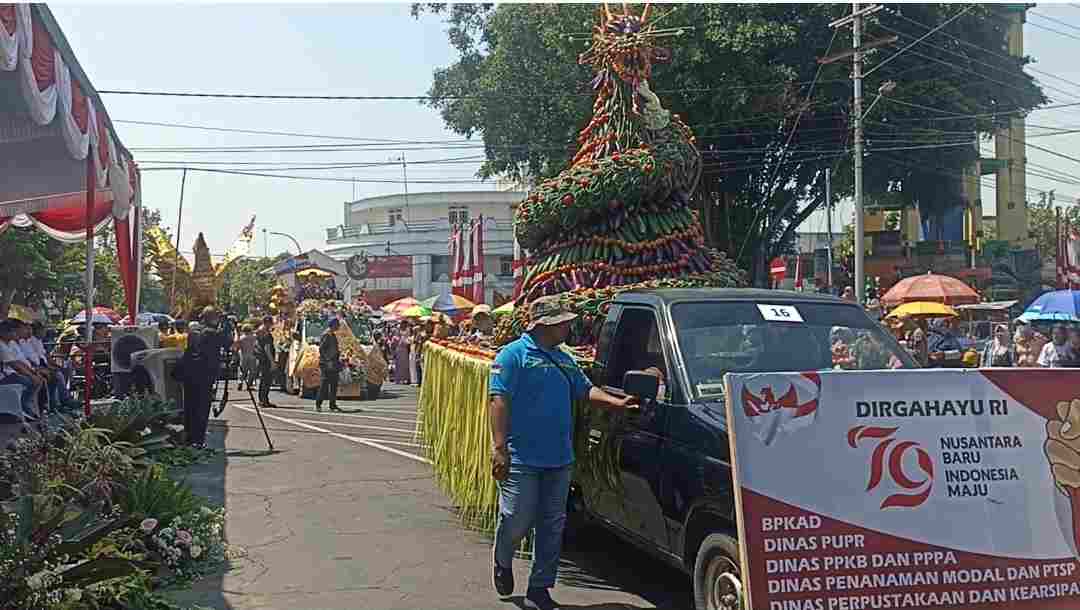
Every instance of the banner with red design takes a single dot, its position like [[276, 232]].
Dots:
[[908, 489]]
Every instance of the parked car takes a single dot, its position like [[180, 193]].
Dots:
[[660, 476]]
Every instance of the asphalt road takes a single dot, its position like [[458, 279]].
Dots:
[[344, 514]]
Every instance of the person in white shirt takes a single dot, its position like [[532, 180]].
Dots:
[[15, 370], [1057, 350], [39, 362]]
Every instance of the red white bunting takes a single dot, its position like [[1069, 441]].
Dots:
[[53, 95]]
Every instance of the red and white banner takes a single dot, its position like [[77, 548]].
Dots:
[[518, 267], [467, 260], [908, 489], [477, 295]]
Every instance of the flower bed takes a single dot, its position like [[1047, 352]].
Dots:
[[91, 520]]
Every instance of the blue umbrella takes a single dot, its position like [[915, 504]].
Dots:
[[1057, 306]]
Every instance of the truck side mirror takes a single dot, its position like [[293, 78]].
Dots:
[[641, 384]]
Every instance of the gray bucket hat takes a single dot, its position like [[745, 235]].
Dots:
[[548, 311]]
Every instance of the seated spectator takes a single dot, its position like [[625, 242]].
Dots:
[[16, 370], [178, 339]]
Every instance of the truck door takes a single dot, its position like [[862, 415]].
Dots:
[[638, 345]]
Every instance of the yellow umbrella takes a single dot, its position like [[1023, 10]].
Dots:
[[314, 272], [20, 312], [505, 308], [922, 308]]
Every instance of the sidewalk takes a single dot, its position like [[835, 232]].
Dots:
[[330, 524]]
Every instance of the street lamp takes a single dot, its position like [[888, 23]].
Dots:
[[299, 251]]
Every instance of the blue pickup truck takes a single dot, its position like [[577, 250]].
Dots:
[[660, 476]]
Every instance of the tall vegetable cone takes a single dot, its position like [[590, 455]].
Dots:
[[620, 214], [619, 217]]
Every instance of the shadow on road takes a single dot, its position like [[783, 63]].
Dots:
[[597, 559]]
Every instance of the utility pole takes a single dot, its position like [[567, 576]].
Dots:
[[176, 258], [405, 179], [828, 228], [860, 273], [855, 19]]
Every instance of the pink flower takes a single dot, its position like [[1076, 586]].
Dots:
[[183, 537], [148, 525]]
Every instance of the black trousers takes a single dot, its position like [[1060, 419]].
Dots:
[[266, 377], [328, 382], [197, 398]]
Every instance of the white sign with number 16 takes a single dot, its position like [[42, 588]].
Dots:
[[780, 313]]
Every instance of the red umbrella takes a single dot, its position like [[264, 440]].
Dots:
[[930, 287]]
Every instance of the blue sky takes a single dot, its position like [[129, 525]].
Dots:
[[348, 49], [337, 49]]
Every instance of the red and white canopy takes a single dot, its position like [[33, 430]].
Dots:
[[57, 144]]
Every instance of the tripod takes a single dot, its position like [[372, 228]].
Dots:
[[225, 399]]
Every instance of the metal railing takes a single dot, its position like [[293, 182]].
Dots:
[[417, 226]]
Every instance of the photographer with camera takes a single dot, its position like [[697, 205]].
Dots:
[[198, 370]]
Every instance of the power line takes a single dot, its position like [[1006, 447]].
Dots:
[[1017, 73], [257, 96], [261, 132], [1050, 29], [983, 49], [922, 38]]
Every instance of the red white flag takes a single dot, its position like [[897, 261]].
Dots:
[[454, 247], [478, 262], [518, 266], [1072, 256]]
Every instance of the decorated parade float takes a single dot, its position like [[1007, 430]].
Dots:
[[617, 219], [301, 326]]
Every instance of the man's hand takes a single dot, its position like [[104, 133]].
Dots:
[[1063, 445], [626, 402], [500, 464]]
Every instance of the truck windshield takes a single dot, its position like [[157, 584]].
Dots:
[[721, 337]]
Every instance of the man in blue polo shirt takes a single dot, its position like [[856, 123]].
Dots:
[[532, 384]]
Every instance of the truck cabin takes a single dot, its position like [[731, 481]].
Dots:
[[719, 331]]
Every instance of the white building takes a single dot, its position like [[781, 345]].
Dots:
[[417, 226]]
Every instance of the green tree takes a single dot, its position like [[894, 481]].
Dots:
[[244, 286], [742, 78], [1042, 225]]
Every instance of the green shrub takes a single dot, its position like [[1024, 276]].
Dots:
[[155, 495]]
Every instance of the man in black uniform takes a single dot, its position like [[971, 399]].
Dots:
[[264, 354], [329, 366], [198, 369]]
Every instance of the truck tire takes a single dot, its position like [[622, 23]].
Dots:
[[717, 582]]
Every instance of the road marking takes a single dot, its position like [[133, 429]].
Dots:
[[388, 441], [332, 414], [334, 423], [359, 441]]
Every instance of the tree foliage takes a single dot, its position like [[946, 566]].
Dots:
[[741, 77], [38, 270]]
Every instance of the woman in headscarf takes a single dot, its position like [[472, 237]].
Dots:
[[1000, 351]]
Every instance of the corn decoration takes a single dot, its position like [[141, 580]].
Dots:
[[453, 423]]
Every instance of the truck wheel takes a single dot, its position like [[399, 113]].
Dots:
[[717, 582]]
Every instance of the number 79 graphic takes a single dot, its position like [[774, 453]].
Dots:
[[889, 448]]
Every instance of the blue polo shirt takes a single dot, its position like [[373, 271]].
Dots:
[[541, 419]]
